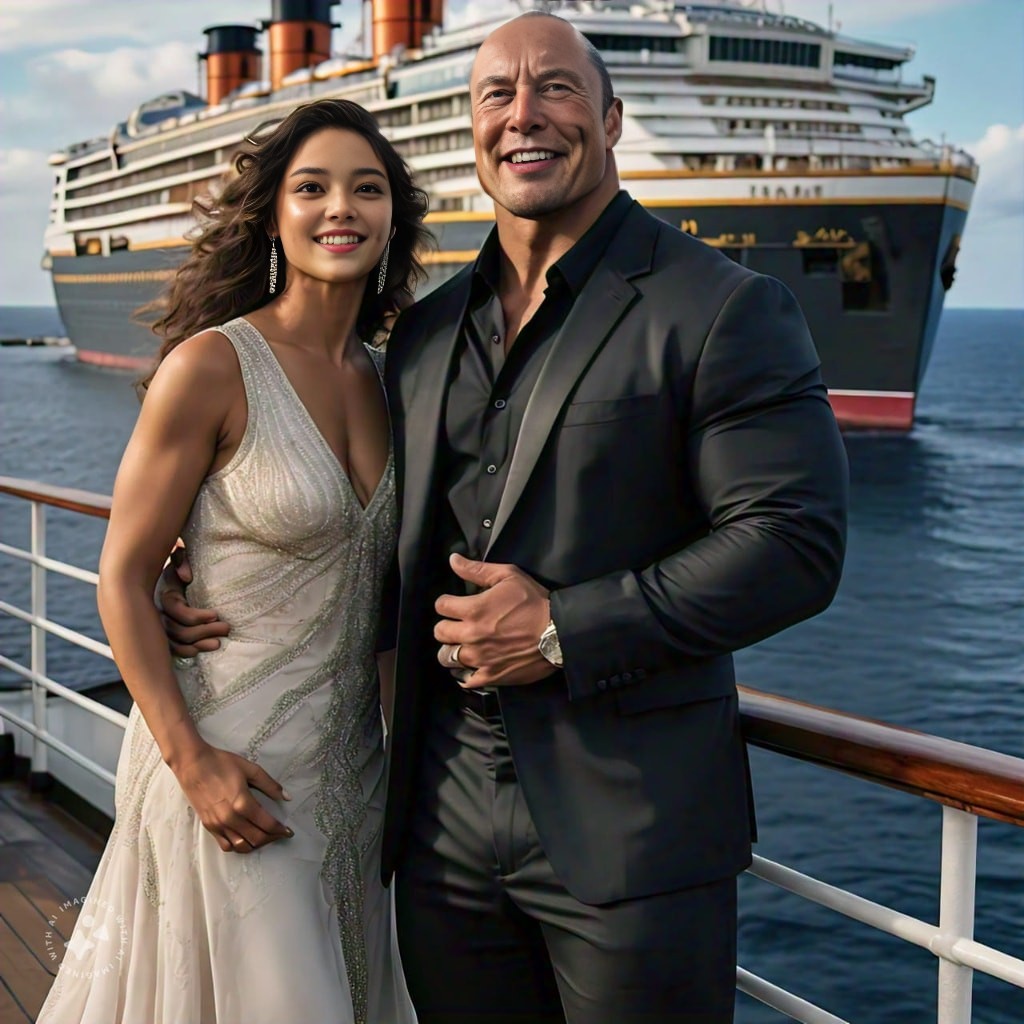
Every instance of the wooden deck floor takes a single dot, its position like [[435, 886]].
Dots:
[[46, 859]]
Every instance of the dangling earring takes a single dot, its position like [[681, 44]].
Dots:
[[273, 264], [383, 268]]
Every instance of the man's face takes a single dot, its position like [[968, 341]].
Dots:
[[542, 140]]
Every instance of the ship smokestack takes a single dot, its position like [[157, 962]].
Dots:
[[300, 36], [403, 23], [231, 59]]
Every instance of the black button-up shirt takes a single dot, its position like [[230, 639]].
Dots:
[[491, 386]]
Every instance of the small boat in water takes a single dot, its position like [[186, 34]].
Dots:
[[778, 140]]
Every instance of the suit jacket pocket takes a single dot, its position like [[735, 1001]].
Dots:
[[579, 413], [705, 682]]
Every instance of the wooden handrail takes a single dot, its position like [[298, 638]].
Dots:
[[981, 781], [86, 502], [973, 779]]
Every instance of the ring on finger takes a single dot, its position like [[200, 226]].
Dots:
[[453, 655]]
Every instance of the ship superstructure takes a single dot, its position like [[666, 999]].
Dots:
[[778, 140]]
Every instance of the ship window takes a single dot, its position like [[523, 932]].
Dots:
[[634, 44], [864, 278], [820, 261], [860, 60], [765, 51], [197, 161]]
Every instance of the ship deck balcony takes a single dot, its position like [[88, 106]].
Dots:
[[48, 855]]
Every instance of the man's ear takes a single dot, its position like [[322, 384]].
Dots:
[[613, 123]]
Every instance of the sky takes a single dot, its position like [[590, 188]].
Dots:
[[71, 69]]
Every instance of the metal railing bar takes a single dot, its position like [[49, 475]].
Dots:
[[984, 782], [972, 953], [59, 745], [85, 502], [73, 696], [71, 635], [956, 913], [785, 1002], [956, 949], [61, 568]]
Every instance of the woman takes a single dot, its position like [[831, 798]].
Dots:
[[242, 869]]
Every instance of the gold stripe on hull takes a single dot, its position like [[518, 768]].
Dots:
[[124, 277]]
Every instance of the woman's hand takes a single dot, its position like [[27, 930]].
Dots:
[[217, 784]]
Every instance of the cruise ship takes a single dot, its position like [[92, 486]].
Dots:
[[780, 141]]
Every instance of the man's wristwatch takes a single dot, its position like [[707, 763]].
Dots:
[[549, 646]]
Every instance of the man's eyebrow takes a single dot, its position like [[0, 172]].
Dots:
[[486, 83], [545, 76], [358, 172], [566, 73]]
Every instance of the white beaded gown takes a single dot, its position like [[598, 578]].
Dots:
[[175, 931]]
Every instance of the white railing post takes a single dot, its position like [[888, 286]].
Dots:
[[38, 663], [956, 911]]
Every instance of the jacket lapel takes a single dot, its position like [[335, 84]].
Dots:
[[595, 314]]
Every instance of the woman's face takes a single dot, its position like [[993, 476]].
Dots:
[[333, 208]]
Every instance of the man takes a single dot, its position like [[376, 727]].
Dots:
[[626, 435]]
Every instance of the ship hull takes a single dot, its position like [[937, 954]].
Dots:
[[870, 278]]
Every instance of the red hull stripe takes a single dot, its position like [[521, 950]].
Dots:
[[873, 410], [112, 361]]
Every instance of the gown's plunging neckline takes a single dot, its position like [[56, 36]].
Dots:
[[332, 455]]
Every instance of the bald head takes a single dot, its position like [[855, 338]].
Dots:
[[588, 49]]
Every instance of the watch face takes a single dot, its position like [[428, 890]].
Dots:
[[551, 649]]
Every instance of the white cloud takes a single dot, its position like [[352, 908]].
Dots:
[[991, 263], [26, 182], [51, 23], [20, 170], [121, 76], [1000, 191]]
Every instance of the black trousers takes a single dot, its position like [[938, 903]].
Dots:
[[489, 935]]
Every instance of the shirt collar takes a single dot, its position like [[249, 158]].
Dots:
[[574, 267]]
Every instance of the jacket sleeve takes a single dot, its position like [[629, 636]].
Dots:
[[769, 470]]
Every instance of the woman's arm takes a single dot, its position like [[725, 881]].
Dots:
[[188, 424]]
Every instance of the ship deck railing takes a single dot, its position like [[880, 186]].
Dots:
[[969, 782]]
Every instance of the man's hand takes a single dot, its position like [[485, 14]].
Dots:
[[494, 633], [189, 630]]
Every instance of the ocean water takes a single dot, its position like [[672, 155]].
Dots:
[[30, 322], [927, 632]]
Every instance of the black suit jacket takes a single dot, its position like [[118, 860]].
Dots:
[[680, 484]]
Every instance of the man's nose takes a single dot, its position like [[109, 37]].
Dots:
[[525, 113]]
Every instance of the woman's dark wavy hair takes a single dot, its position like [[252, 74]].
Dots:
[[226, 274]]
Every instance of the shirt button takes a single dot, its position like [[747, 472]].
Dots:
[[500, 403], [492, 469], [495, 339], [488, 524]]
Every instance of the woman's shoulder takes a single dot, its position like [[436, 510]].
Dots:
[[198, 368]]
